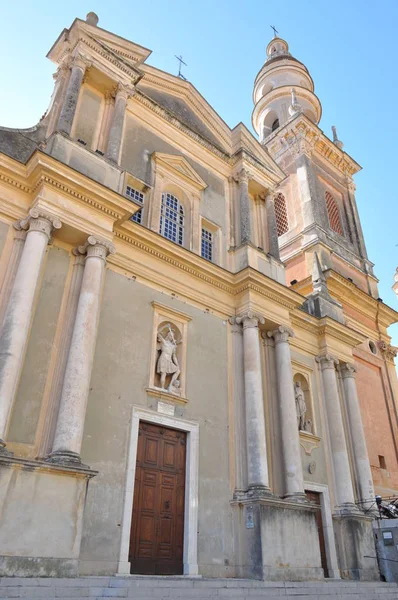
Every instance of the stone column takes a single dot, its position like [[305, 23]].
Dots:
[[293, 475], [239, 407], [63, 347], [344, 492], [244, 207], [116, 128], [257, 465], [72, 410], [78, 69], [12, 266], [357, 220], [104, 129], [15, 328], [313, 206], [360, 451], [272, 229]]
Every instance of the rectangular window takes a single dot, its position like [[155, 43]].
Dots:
[[207, 244], [137, 196], [382, 462]]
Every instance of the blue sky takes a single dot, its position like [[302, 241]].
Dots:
[[348, 46]]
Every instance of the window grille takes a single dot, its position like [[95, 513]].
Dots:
[[333, 213], [207, 244], [137, 196], [282, 224], [172, 219]]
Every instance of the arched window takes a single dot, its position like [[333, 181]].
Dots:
[[282, 224], [275, 125], [333, 213], [172, 219]]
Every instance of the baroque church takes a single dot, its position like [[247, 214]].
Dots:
[[195, 371]]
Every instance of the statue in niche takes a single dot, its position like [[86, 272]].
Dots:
[[301, 407], [167, 364]]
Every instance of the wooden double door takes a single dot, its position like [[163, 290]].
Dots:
[[157, 528]]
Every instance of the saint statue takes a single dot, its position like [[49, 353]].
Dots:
[[168, 362], [301, 407]]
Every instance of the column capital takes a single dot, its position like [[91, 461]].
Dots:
[[242, 176], [236, 327], [347, 370], [250, 319], [81, 61], [123, 91], [96, 247], [327, 361], [38, 220], [281, 334]]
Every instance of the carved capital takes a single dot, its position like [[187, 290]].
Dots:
[[250, 319], [351, 185], [243, 176], [38, 220], [235, 326], [389, 352], [97, 247], [347, 370], [281, 334], [123, 91], [327, 361], [81, 61]]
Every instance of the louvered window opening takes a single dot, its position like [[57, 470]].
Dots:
[[333, 214], [282, 223]]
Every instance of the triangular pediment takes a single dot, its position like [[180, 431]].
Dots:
[[179, 165]]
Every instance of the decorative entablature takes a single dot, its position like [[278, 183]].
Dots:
[[97, 47], [301, 136], [73, 197]]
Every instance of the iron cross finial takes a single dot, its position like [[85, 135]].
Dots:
[[274, 29]]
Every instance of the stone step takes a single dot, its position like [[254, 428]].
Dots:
[[184, 588]]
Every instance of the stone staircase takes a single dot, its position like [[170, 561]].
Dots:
[[184, 588]]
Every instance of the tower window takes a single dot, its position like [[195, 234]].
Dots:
[[333, 214], [282, 223], [138, 197], [207, 244], [172, 219], [275, 125]]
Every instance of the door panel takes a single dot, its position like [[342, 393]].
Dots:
[[315, 498], [157, 528]]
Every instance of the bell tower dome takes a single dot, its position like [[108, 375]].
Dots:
[[282, 89]]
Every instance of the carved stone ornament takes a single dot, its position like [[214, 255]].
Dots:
[[39, 220], [301, 406], [389, 352], [281, 334], [309, 441], [250, 319], [243, 176], [347, 370], [97, 247], [167, 365], [81, 61], [312, 467], [327, 361]]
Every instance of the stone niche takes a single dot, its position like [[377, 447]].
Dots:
[[169, 348], [306, 425]]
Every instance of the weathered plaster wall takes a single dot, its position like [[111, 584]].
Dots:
[[3, 235], [119, 380], [27, 404]]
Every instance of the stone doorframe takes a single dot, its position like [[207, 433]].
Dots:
[[328, 531], [190, 557]]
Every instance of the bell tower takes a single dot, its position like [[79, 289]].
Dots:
[[315, 205]]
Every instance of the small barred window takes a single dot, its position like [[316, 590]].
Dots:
[[282, 224], [137, 196], [172, 219], [207, 244], [333, 213]]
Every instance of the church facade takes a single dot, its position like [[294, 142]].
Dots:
[[195, 371]]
